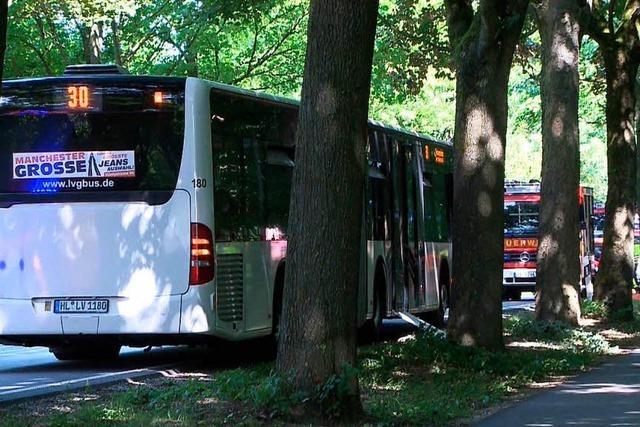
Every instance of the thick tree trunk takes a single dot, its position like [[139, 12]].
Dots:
[[615, 277], [92, 43], [558, 274], [4, 13], [484, 41], [480, 133], [117, 49], [318, 331]]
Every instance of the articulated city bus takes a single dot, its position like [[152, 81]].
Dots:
[[521, 209], [150, 210]]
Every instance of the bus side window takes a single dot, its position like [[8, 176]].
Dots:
[[441, 211], [278, 172], [376, 190], [429, 220], [236, 129]]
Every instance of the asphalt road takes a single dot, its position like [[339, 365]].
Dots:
[[607, 395], [28, 372]]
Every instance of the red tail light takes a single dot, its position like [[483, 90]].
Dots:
[[202, 260]]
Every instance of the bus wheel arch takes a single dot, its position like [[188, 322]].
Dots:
[[444, 281], [278, 289], [380, 286], [436, 317], [372, 328]]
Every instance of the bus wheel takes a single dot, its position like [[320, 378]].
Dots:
[[436, 318], [103, 352], [371, 331]]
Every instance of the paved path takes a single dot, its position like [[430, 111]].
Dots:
[[609, 395]]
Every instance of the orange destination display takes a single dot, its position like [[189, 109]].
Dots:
[[79, 97]]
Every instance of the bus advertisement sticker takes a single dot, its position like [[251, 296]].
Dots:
[[74, 164]]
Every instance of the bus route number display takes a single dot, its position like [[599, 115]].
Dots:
[[79, 98]]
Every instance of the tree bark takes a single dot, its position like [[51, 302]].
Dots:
[[615, 276], [117, 49], [558, 260], [318, 330], [4, 14], [484, 42], [92, 43]]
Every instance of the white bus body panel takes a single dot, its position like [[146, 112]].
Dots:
[[129, 250], [133, 254]]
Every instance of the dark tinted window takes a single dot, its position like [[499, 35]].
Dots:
[[438, 203], [123, 137], [377, 188], [520, 218], [253, 163]]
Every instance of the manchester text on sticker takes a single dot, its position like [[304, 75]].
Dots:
[[76, 164]]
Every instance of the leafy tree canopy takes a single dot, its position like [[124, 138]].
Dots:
[[260, 44]]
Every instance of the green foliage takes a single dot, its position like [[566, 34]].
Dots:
[[593, 309], [336, 393], [573, 339], [428, 380], [261, 45]]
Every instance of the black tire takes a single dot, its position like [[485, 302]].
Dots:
[[371, 331], [277, 303], [436, 318], [90, 352]]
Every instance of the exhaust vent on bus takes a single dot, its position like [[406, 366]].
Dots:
[[230, 287]]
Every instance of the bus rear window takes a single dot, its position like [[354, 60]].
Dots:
[[68, 138]]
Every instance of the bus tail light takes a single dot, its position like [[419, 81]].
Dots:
[[202, 260]]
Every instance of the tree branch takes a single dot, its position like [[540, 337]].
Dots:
[[591, 24], [628, 31], [41, 56], [459, 19], [513, 17]]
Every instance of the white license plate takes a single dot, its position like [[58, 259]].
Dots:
[[81, 306], [525, 274]]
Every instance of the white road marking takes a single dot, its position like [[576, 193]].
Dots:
[[54, 387]]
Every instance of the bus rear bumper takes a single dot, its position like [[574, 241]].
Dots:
[[128, 318]]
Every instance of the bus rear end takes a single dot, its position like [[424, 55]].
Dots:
[[95, 222]]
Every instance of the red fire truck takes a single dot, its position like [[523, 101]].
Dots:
[[521, 208]]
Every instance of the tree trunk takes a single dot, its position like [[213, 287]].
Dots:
[[485, 45], [191, 59], [92, 43], [4, 13], [615, 277], [318, 331], [480, 132], [558, 260], [117, 49]]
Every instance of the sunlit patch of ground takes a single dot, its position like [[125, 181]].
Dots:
[[533, 345]]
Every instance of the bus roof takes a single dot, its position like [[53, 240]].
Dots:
[[295, 103], [217, 86]]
